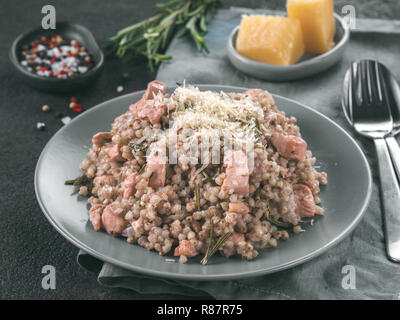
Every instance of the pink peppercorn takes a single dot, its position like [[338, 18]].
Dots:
[[77, 107]]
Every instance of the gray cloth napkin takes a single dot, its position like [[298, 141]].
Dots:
[[321, 278]]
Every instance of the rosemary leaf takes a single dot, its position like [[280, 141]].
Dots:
[[77, 181], [142, 169], [258, 130], [138, 147], [257, 193], [209, 179], [90, 187], [282, 224], [277, 222], [220, 242], [197, 195], [81, 181], [209, 247]]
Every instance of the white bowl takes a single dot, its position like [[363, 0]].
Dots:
[[308, 64]]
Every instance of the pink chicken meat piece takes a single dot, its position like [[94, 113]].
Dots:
[[157, 163], [153, 88], [112, 223], [100, 138], [115, 153], [238, 207], [237, 173], [185, 248], [95, 216], [145, 106], [149, 110], [289, 146], [305, 205], [129, 186]]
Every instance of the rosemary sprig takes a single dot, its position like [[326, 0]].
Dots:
[[149, 38], [220, 242]]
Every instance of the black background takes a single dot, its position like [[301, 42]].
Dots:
[[27, 240]]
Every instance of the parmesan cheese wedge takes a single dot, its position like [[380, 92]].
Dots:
[[317, 23], [269, 39]]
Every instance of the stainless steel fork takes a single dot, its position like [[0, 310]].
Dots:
[[394, 102], [367, 108]]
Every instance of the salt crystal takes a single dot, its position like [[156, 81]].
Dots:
[[69, 61], [66, 48], [56, 66], [45, 73], [24, 63], [120, 88], [40, 125], [66, 120], [82, 69], [56, 52]]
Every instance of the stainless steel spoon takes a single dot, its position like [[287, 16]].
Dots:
[[393, 96], [366, 104]]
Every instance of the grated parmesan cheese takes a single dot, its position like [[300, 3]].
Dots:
[[208, 115]]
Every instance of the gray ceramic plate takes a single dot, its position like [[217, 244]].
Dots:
[[308, 64], [344, 198]]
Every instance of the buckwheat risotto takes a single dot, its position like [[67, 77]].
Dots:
[[199, 172]]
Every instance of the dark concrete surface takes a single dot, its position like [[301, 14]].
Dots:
[[27, 240]]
